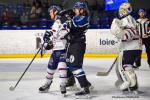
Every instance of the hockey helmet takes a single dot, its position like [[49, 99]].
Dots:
[[125, 9], [55, 8], [79, 5], [142, 10]]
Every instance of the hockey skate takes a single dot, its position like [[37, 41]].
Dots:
[[63, 90], [44, 88], [84, 94], [134, 90], [136, 67], [131, 90]]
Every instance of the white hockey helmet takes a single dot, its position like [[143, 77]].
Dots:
[[125, 9]]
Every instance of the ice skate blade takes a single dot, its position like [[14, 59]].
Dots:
[[135, 92], [131, 92], [45, 91], [87, 96]]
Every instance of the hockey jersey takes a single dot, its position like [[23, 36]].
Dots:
[[128, 33], [58, 35], [78, 27]]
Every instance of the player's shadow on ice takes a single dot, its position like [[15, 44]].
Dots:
[[143, 92]]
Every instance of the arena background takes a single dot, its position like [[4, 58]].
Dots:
[[21, 38]]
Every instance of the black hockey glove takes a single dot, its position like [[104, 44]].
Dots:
[[66, 15], [47, 36], [69, 12], [49, 45]]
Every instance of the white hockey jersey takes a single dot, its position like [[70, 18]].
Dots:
[[126, 31], [58, 36]]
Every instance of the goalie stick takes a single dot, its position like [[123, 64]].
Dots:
[[106, 73]]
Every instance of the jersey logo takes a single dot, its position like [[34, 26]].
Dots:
[[72, 58]]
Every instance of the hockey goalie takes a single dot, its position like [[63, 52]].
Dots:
[[124, 28]]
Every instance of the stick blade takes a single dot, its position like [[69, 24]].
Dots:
[[102, 74], [11, 88]]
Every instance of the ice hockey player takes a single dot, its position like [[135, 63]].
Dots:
[[125, 29], [78, 26], [58, 57]]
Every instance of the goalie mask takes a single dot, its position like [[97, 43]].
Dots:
[[125, 9]]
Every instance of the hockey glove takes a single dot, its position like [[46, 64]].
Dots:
[[47, 36], [66, 15], [49, 45]]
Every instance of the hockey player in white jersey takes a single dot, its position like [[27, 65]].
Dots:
[[58, 56], [125, 29]]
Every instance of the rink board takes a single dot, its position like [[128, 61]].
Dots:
[[144, 56], [25, 43]]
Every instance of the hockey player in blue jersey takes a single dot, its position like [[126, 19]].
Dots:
[[58, 57], [76, 39]]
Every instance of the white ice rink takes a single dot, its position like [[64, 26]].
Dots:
[[27, 89]]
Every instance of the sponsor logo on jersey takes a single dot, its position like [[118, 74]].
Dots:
[[72, 58]]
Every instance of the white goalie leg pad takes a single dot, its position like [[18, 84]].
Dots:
[[119, 81], [62, 68], [131, 76], [125, 83]]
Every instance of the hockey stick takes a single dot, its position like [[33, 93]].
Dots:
[[42, 47], [12, 88], [106, 73], [43, 51]]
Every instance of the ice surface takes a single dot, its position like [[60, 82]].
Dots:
[[27, 89]]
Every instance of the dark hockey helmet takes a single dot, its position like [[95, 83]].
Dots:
[[79, 5], [142, 10], [54, 8]]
